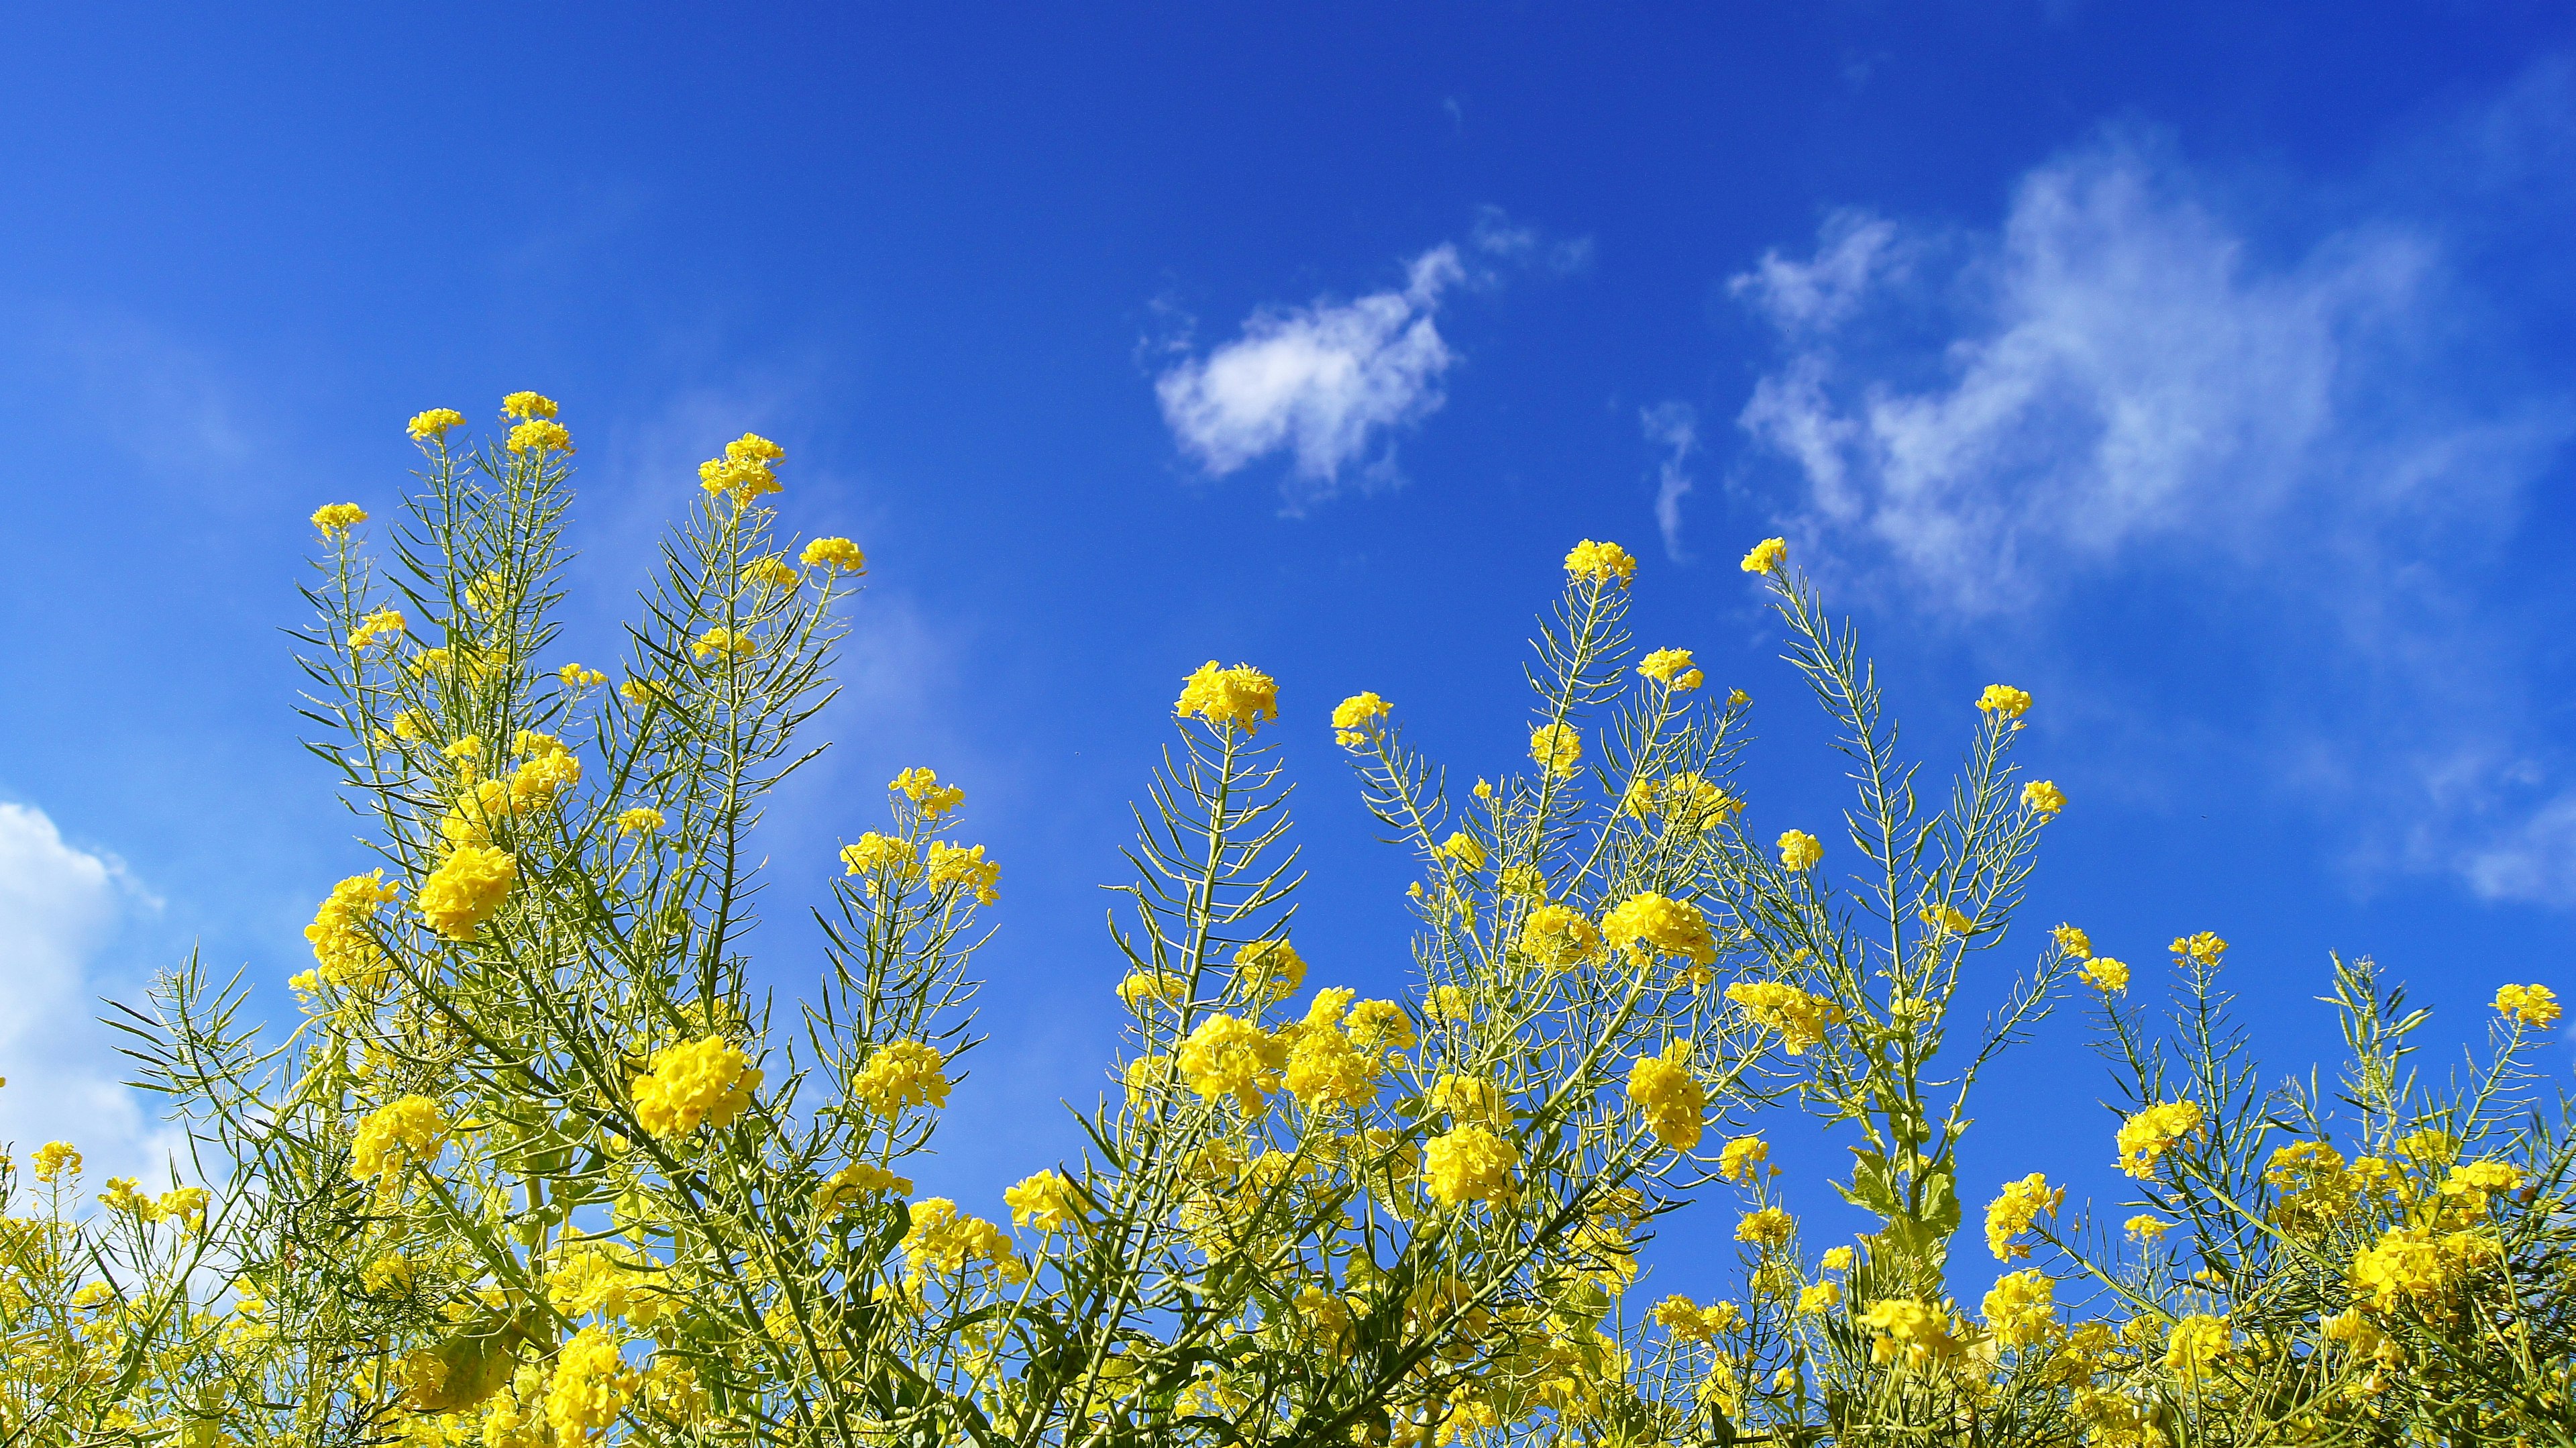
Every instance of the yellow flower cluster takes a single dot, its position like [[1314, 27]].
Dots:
[[964, 868], [945, 1241], [1652, 924], [1819, 1297], [2195, 1345], [1559, 935], [2419, 1266], [834, 553], [336, 519], [1672, 669], [901, 1074], [2021, 1309], [843, 1189], [1800, 1018], [1240, 697], [384, 623], [1688, 803], [921, 785], [1597, 563], [641, 820], [729, 643], [1044, 1201], [2204, 948], [1270, 970], [1557, 749], [1800, 850], [1229, 1056], [465, 890], [2043, 797], [1741, 1157], [708, 1080], [1766, 556], [344, 945], [1690, 1322], [1330, 1070], [541, 436], [2535, 1006], [2010, 1215], [1470, 1164], [1945, 919], [435, 424], [1356, 716], [1916, 1334], [1766, 1227], [399, 1134], [770, 571], [2146, 1137], [1462, 850], [742, 474], [528, 406], [1670, 1098], [2106, 974], [591, 1388], [55, 1160], [887, 861], [2003, 701]]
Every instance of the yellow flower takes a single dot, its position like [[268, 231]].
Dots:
[[1461, 848], [2204, 947], [183, 1204], [835, 553], [1800, 850], [1600, 563], [1355, 716], [1917, 1333], [527, 405], [1470, 1164], [1767, 556], [1671, 667], [1767, 1227], [1741, 1157], [2042, 796], [1836, 1259], [2073, 941], [2106, 974], [1820, 1297], [343, 947], [1044, 1201], [641, 820], [540, 438], [742, 474], [901, 1074], [1559, 935], [1689, 1322], [1671, 1099], [2535, 1006], [2195, 1344], [943, 1240], [1270, 969], [383, 623], [2144, 1228], [1689, 804], [928, 795], [843, 1188], [1556, 748], [400, 1134], [574, 676], [1800, 1018], [2004, 701], [1229, 1056], [2022, 1204], [1668, 926], [435, 424], [965, 868], [465, 889], [733, 643], [1946, 919], [2146, 1137], [883, 859], [338, 518], [591, 1388], [119, 1195], [770, 572], [2021, 1309], [1240, 697], [708, 1080]]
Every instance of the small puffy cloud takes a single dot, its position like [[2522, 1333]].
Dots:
[[1324, 382], [59, 907], [1673, 426]]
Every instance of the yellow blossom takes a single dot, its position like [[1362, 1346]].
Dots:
[[1945, 918], [527, 406], [1270, 969], [1766, 1227], [2145, 1228], [1556, 748], [964, 868], [730, 642], [2004, 701], [743, 474], [1471, 1164], [1672, 668], [384, 623], [2535, 1006], [2147, 1136], [338, 518], [2021, 1309], [465, 890], [921, 786], [885, 860], [1800, 1018], [1559, 935], [400, 1134], [2042, 797], [1800, 850], [900, 1074], [1592, 562], [344, 947], [2195, 1344], [1044, 1201], [1652, 924], [707, 1081], [591, 1388], [2010, 1215], [1462, 849], [945, 1241], [2106, 973], [1449, 1003], [843, 1188], [1767, 556], [540, 438], [770, 571], [1741, 1157], [1240, 697], [1355, 716], [834, 553], [1914, 1333], [1229, 1056], [2204, 948], [1668, 1096], [641, 820], [435, 424], [1836, 1259], [1819, 1297], [2073, 941]]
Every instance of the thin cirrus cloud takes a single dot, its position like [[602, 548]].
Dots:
[[1673, 426], [2121, 381], [1331, 383]]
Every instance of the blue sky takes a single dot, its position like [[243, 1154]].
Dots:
[[2203, 368]]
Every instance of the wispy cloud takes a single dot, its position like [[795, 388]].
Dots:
[[1674, 426], [2124, 379], [59, 907]]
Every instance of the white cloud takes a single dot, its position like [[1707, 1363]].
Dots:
[[59, 906], [1673, 425], [1322, 382]]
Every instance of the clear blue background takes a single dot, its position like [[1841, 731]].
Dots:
[[944, 259]]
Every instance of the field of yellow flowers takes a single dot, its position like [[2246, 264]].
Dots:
[[536, 1170]]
